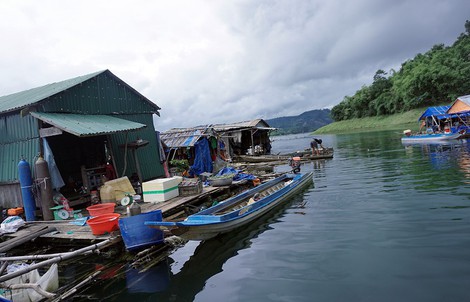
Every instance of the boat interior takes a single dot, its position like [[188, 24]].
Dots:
[[253, 198]]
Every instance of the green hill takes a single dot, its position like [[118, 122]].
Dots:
[[399, 121], [306, 122]]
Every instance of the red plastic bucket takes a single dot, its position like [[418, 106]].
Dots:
[[103, 224], [100, 209]]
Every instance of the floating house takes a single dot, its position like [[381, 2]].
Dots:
[[460, 112], [91, 126], [224, 141], [192, 147], [246, 138], [460, 105]]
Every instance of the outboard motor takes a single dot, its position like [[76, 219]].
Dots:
[[294, 162]]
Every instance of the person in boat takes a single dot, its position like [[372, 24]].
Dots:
[[423, 125], [314, 144]]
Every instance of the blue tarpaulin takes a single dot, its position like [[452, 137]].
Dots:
[[202, 160], [438, 111], [238, 174]]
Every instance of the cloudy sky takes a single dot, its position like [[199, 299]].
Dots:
[[208, 61]]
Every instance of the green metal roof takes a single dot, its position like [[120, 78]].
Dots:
[[23, 99], [87, 125], [31, 96]]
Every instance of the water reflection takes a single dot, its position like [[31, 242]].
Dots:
[[446, 155], [154, 280], [210, 256]]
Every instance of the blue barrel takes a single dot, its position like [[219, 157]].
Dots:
[[26, 183], [136, 234]]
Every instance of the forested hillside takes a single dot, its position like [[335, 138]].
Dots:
[[306, 122], [436, 77]]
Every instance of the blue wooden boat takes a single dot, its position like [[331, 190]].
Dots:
[[436, 126], [238, 210]]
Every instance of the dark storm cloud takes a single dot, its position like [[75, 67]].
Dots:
[[223, 61]]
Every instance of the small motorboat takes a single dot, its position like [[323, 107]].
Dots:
[[238, 210]]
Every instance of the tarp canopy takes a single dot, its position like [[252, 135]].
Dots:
[[203, 159], [87, 125], [438, 111]]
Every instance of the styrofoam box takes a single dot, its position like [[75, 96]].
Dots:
[[161, 189]]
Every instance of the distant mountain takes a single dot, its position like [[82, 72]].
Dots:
[[306, 122]]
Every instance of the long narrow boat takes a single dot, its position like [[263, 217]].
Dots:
[[305, 155], [430, 138], [238, 210]]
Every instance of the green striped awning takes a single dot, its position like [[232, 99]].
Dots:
[[87, 125]]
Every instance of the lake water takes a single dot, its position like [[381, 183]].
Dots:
[[382, 222]]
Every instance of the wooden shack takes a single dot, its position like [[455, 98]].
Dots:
[[245, 138], [94, 125]]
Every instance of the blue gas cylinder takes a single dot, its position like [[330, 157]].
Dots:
[[26, 183]]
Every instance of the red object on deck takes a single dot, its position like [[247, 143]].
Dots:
[[100, 209], [103, 224]]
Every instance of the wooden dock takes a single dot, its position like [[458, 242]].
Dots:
[[67, 232]]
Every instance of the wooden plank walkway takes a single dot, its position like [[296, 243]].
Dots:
[[67, 231]]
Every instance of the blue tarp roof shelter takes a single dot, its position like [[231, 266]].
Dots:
[[438, 111]]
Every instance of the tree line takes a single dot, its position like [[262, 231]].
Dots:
[[436, 77]]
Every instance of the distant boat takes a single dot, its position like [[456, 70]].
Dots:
[[436, 125], [238, 210], [429, 138], [305, 155]]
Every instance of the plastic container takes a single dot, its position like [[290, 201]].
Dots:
[[107, 194], [103, 224], [100, 209], [190, 187], [136, 234], [114, 190], [161, 189]]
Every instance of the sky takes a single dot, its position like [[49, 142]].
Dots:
[[208, 61]]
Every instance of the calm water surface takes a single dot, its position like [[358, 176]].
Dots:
[[382, 222]]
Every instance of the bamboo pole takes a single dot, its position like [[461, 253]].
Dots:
[[36, 257], [34, 286], [74, 289], [59, 258], [19, 241]]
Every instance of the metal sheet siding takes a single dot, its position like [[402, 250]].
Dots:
[[102, 94], [148, 156], [10, 196], [10, 155], [14, 128], [19, 137]]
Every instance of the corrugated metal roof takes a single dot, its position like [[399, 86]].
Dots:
[[54, 91], [28, 97], [183, 137], [460, 106], [87, 125], [465, 98], [258, 123]]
